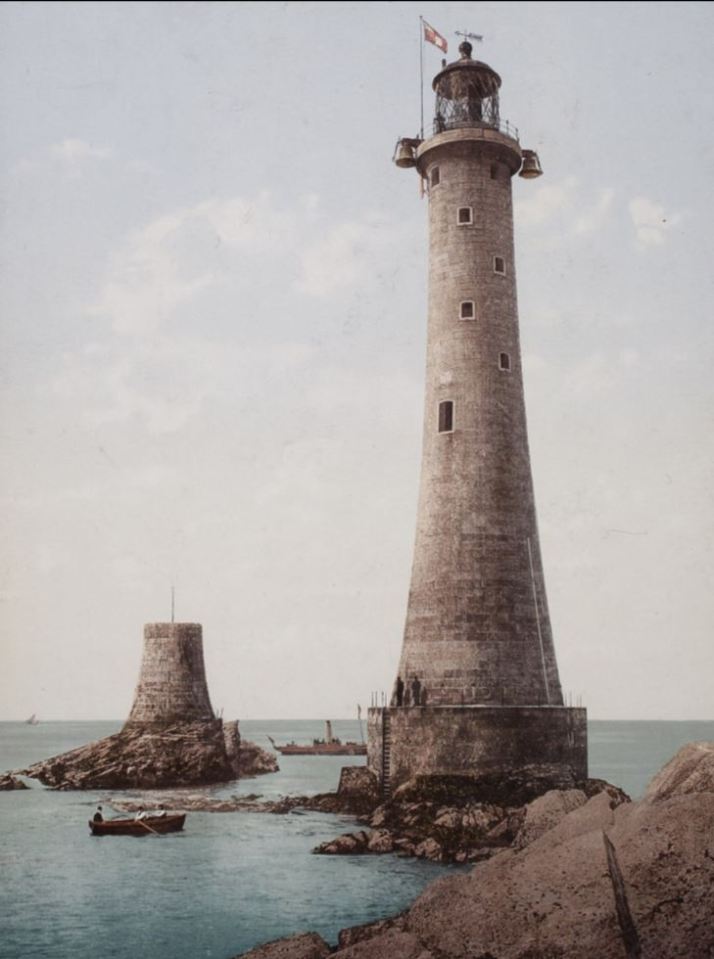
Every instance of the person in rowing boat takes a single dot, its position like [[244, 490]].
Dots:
[[98, 817], [161, 811], [140, 814]]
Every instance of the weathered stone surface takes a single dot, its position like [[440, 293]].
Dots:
[[349, 844], [172, 684], [348, 937], [596, 815], [503, 789], [665, 852], [556, 897], [358, 790], [8, 782], [416, 822], [591, 787], [393, 944], [153, 757], [307, 945], [476, 555], [496, 909], [428, 849], [380, 841], [322, 802], [564, 896], [189, 802], [504, 832], [478, 661], [690, 771], [545, 812], [253, 760], [488, 744]]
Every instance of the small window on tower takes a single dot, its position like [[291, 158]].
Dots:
[[465, 216], [499, 265], [468, 311], [504, 362], [446, 416], [435, 177]]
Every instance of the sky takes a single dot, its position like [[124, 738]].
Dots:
[[213, 332]]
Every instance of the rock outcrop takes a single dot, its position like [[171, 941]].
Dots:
[[11, 782], [427, 820], [306, 945], [354, 794], [155, 757], [690, 771], [588, 878], [252, 760]]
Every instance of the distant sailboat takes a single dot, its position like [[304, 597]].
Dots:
[[32, 721]]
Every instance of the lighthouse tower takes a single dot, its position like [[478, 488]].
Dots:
[[477, 689]]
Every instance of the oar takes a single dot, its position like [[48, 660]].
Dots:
[[144, 823]]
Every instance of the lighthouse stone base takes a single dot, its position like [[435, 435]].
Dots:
[[547, 744]]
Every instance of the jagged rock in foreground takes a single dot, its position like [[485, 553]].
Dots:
[[11, 782], [691, 771], [156, 757], [606, 881]]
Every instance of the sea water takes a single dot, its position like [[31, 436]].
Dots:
[[230, 880]]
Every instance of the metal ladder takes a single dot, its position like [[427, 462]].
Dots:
[[386, 754]]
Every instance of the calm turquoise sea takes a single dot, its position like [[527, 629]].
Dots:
[[230, 880]]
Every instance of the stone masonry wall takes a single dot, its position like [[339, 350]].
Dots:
[[480, 740], [172, 683], [477, 628]]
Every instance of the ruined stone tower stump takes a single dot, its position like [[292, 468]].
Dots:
[[172, 737], [172, 683], [477, 690]]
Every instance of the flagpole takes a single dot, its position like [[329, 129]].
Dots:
[[421, 72]]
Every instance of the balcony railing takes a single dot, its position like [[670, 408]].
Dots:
[[467, 112]]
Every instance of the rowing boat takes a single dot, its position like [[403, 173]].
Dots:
[[137, 827]]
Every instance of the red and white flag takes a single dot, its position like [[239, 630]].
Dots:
[[433, 36]]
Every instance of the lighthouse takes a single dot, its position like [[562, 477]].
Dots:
[[477, 690]]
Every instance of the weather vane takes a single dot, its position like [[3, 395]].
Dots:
[[469, 36]]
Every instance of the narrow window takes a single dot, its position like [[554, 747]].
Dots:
[[504, 362], [467, 310], [446, 416], [494, 171], [465, 216], [499, 265], [435, 176]]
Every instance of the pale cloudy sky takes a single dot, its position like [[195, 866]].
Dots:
[[213, 330]]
